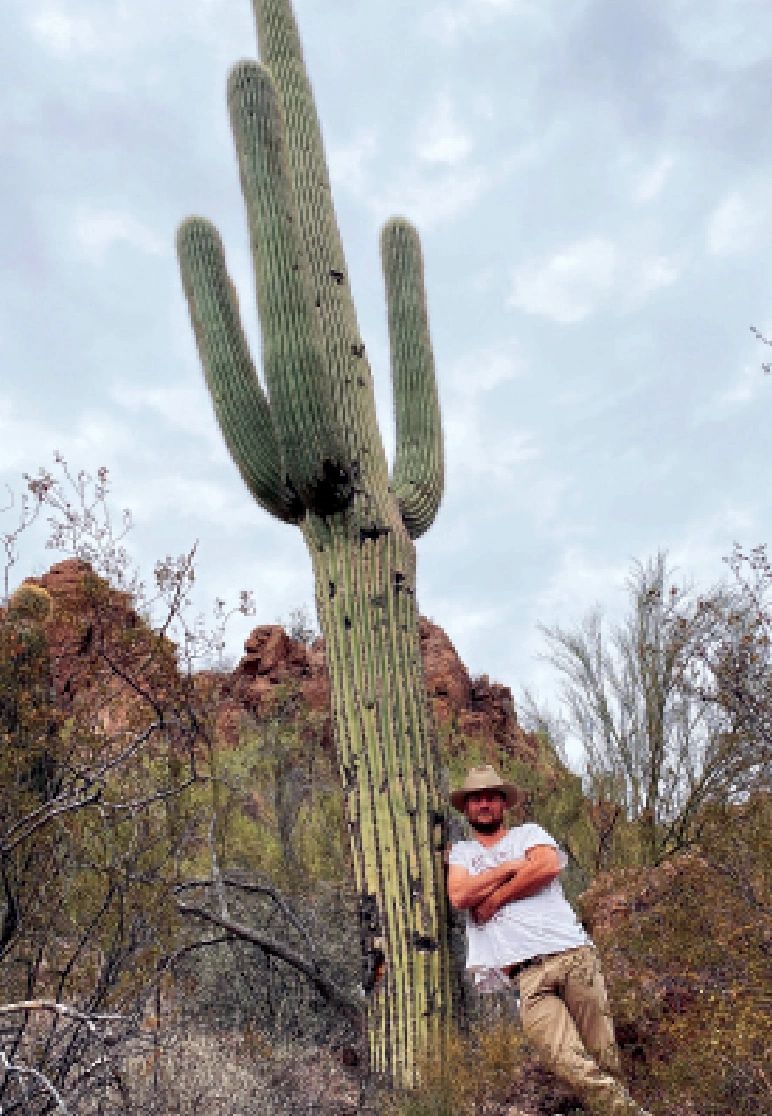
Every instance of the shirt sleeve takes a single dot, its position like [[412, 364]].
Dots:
[[534, 835], [457, 855]]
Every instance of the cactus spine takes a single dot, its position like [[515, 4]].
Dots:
[[311, 454]]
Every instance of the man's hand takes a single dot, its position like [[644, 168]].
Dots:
[[465, 891], [537, 870], [485, 911]]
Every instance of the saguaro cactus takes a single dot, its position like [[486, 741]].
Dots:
[[311, 454]]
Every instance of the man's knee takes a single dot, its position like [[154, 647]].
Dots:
[[608, 1057]]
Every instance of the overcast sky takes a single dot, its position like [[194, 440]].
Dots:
[[591, 179]]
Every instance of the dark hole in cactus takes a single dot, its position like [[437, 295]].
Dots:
[[332, 492], [423, 943], [358, 350], [373, 968], [372, 534], [431, 1004], [332, 590], [369, 919], [439, 829], [296, 503], [338, 276], [347, 623], [361, 381], [399, 579]]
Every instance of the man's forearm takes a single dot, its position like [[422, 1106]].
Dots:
[[531, 876], [517, 888], [480, 887]]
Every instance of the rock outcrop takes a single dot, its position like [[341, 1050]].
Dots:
[[462, 706], [273, 665], [104, 659]]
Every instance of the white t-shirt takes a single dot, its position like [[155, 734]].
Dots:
[[538, 924]]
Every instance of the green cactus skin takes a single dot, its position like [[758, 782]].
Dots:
[[311, 454]]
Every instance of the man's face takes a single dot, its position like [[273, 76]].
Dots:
[[484, 810]]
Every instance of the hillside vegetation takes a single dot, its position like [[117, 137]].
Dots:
[[179, 930]]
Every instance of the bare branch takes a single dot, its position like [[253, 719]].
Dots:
[[259, 889], [277, 949], [61, 1009], [28, 1071]]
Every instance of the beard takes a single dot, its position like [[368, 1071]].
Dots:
[[486, 827]]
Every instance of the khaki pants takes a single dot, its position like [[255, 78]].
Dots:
[[566, 1018]]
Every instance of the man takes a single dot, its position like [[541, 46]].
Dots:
[[521, 929]]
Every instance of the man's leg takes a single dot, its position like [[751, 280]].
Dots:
[[584, 992], [548, 1026]]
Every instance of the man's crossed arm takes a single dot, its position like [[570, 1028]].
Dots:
[[484, 894]]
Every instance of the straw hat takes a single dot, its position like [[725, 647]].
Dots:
[[482, 778]]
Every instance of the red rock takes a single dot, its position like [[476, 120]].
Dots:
[[447, 680], [89, 623], [267, 648], [477, 708], [274, 666]]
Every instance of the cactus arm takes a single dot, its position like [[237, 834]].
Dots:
[[293, 353], [418, 475], [240, 406], [348, 367]]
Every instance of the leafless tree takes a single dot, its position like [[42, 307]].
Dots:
[[651, 702]]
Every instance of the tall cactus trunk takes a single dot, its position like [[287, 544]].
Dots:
[[366, 602], [311, 455]]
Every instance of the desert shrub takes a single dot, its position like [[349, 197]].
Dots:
[[194, 1071], [278, 799], [237, 986], [478, 1074], [687, 959]]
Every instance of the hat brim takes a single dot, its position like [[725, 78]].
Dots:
[[458, 797]]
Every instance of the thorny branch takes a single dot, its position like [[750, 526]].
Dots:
[[260, 889], [81, 525]]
